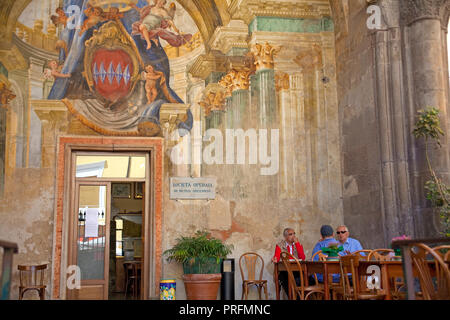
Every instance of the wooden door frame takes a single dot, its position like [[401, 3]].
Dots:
[[152, 216]]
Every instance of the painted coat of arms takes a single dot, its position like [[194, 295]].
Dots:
[[113, 73]]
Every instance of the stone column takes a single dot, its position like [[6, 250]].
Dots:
[[426, 76], [239, 103], [265, 95]]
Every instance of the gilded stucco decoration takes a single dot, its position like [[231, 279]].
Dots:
[[264, 55]]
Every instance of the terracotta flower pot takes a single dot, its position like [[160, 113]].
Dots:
[[202, 286]]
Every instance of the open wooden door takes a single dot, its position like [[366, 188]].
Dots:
[[89, 240]]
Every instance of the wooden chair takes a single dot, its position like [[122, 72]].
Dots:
[[251, 261], [388, 255], [363, 257], [32, 278], [381, 255], [333, 285], [132, 277], [303, 291], [443, 252], [431, 290], [322, 256], [352, 289]]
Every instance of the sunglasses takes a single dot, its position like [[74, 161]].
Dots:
[[339, 232]]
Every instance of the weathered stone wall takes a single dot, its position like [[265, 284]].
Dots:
[[359, 129], [384, 77]]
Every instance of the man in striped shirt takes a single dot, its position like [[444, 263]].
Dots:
[[289, 244]]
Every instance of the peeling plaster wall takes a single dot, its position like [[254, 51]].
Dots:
[[27, 219]]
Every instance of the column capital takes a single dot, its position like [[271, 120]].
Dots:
[[213, 98], [236, 80], [413, 10], [264, 54]]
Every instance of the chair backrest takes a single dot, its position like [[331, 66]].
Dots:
[[381, 255], [349, 265], [432, 290], [322, 256], [362, 256], [251, 261], [32, 275], [286, 258], [443, 252]]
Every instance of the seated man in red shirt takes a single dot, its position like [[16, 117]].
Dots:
[[291, 245]]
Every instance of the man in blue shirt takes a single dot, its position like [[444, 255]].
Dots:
[[326, 232], [350, 245]]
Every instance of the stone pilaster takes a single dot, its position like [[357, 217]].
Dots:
[[54, 119], [427, 73], [36, 78]]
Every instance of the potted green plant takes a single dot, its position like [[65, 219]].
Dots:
[[201, 256], [332, 251]]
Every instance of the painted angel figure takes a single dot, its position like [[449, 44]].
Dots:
[[55, 71], [155, 20], [59, 19], [150, 76]]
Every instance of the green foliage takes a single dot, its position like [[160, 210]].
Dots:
[[428, 127], [333, 249], [198, 249]]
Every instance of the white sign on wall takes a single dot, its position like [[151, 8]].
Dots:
[[192, 188]]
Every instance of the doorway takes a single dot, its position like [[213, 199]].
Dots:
[[108, 225], [126, 242]]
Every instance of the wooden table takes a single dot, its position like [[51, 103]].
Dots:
[[389, 269]]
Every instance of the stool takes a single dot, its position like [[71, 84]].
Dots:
[[32, 278], [132, 277]]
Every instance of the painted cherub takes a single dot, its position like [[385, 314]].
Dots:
[[94, 16], [60, 19], [150, 75], [55, 71]]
